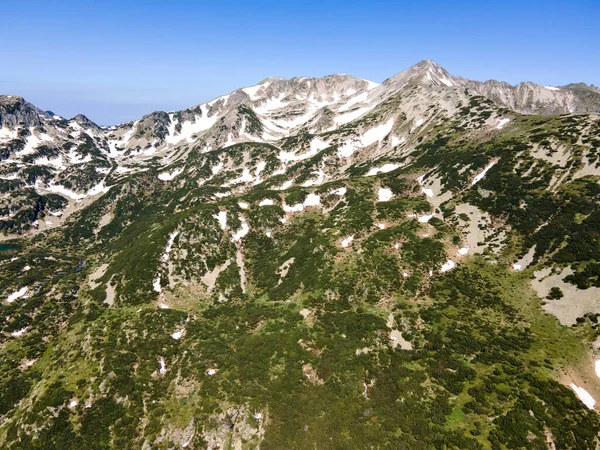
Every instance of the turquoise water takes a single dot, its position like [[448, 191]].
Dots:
[[8, 248]]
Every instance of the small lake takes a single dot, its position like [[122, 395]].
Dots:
[[7, 248]]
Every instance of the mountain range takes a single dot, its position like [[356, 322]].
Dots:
[[306, 263]]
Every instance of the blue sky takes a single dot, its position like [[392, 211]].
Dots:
[[117, 60]]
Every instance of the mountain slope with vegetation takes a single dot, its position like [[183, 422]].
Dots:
[[306, 263]]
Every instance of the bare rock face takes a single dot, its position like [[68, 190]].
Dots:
[[531, 98], [526, 97], [424, 73], [153, 126], [16, 112]]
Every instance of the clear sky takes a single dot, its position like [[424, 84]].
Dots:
[[117, 60]]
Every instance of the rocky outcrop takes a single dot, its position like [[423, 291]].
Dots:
[[531, 98], [153, 126], [16, 112]]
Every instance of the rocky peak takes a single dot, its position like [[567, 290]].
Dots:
[[15, 111], [84, 121], [425, 73], [153, 125], [306, 88]]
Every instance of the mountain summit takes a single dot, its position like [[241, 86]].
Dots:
[[426, 73]]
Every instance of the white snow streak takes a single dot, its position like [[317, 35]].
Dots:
[[501, 123], [168, 176], [17, 294], [480, 176], [383, 169], [583, 395], [165, 255], [163, 366]]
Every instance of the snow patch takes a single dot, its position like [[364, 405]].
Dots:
[[163, 366], [423, 219], [100, 188], [285, 185], [349, 116], [481, 175], [271, 104], [20, 332], [252, 90], [266, 202], [315, 182], [316, 145], [17, 294], [383, 169], [501, 123], [178, 334], [397, 141], [427, 192], [222, 218], [312, 200], [371, 136], [156, 285], [295, 208], [165, 255], [168, 176], [377, 134], [245, 178], [241, 232], [384, 194], [347, 241], [448, 265], [189, 128], [583, 395], [418, 123], [346, 150]]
